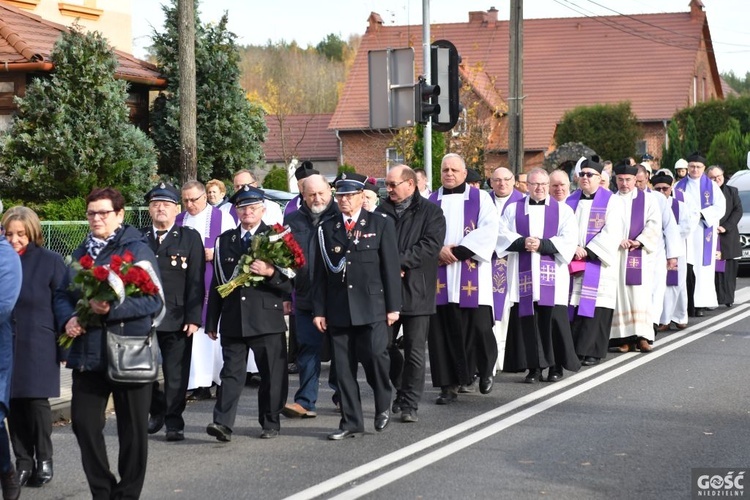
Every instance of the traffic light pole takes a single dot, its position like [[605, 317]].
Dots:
[[427, 70]]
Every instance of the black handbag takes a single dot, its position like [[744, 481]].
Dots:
[[131, 359]]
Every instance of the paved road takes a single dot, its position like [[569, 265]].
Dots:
[[632, 427]]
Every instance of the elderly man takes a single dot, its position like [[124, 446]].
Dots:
[[252, 317], [10, 277], [559, 185], [182, 265], [539, 237], [729, 247], [356, 296], [420, 231], [244, 177], [706, 197], [503, 193], [302, 172], [463, 321], [632, 322], [674, 305], [209, 222], [595, 267], [317, 208]]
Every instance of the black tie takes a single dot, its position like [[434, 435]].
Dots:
[[246, 241], [160, 236]]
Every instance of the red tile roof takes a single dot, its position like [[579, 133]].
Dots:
[[305, 137], [648, 59], [27, 38]]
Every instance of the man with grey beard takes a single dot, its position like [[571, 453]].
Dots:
[[317, 207]]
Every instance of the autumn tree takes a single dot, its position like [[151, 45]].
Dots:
[[230, 129]]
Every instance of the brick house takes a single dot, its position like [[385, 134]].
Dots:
[[301, 137], [659, 62]]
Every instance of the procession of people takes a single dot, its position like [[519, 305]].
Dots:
[[459, 282]]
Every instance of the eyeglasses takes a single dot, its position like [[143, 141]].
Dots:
[[662, 189], [533, 185], [394, 185], [192, 200], [501, 179], [588, 174], [101, 214]]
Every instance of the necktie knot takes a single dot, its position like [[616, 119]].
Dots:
[[246, 240], [160, 235]]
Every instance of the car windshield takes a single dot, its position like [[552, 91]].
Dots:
[[745, 199]]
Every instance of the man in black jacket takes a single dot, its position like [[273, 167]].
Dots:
[[316, 208], [179, 253], [356, 295], [729, 238], [420, 231], [252, 317]]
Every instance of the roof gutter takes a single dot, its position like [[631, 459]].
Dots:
[[341, 148], [151, 82], [26, 67]]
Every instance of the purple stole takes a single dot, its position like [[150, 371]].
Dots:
[[469, 292], [672, 274], [292, 205], [214, 230], [546, 266], [593, 269], [233, 213], [500, 266], [707, 199], [634, 260]]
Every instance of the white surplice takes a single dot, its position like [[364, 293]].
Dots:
[[669, 249], [565, 241], [675, 297], [633, 315], [605, 245], [206, 361], [705, 290]]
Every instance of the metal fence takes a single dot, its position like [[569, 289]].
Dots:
[[64, 236]]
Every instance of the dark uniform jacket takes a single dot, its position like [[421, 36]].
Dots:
[[369, 287], [300, 222], [421, 232], [36, 366], [248, 311], [182, 264], [133, 317], [730, 240]]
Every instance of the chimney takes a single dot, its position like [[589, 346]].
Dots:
[[697, 10], [492, 15], [476, 17]]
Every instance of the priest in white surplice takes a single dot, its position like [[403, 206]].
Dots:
[[503, 193], [539, 236], [210, 222], [674, 306], [632, 322], [463, 320], [706, 197], [596, 265]]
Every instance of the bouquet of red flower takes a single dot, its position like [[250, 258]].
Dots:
[[277, 247], [121, 278]]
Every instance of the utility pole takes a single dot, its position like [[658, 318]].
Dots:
[[515, 114], [427, 71], [188, 141]]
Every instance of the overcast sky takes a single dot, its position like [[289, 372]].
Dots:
[[308, 22]]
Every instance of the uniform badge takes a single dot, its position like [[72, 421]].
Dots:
[[174, 260], [234, 237], [184, 262], [336, 249], [362, 223], [338, 225]]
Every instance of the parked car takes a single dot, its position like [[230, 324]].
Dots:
[[280, 197], [741, 180]]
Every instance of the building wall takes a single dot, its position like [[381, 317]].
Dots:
[[110, 17], [366, 152]]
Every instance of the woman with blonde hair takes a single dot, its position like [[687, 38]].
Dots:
[[216, 193], [36, 364]]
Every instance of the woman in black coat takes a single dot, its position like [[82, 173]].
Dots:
[[36, 367]]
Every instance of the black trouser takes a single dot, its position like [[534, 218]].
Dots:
[[91, 391], [176, 351], [30, 426], [690, 283], [366, 344], [270, 356], [408, 371]]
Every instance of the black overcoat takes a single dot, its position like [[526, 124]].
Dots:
[[730, 240]]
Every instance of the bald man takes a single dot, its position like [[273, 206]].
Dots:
[[559, 184]]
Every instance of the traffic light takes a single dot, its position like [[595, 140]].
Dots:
[[444, 64], [426, 101]]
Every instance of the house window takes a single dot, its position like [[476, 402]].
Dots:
[[640, 148], [393, 157]]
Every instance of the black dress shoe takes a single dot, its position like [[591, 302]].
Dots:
[[252, 380], [200, 394], [23, 476], [468, 389], [42, 473], [175, 435], [554, 374], [9, 484], [382, 420], [698, 312], [485, 384], [534, 376], [342, 434], [269, 433], [293, 368], [590, 361], [155, 423], [220, 432], [409, 416], [447, 396], [397, 404]]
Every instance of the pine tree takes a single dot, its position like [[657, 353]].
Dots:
[[72, 131], [230, 130]]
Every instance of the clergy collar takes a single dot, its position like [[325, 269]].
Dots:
[[461, 188], [591, 196], [540, 202]]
